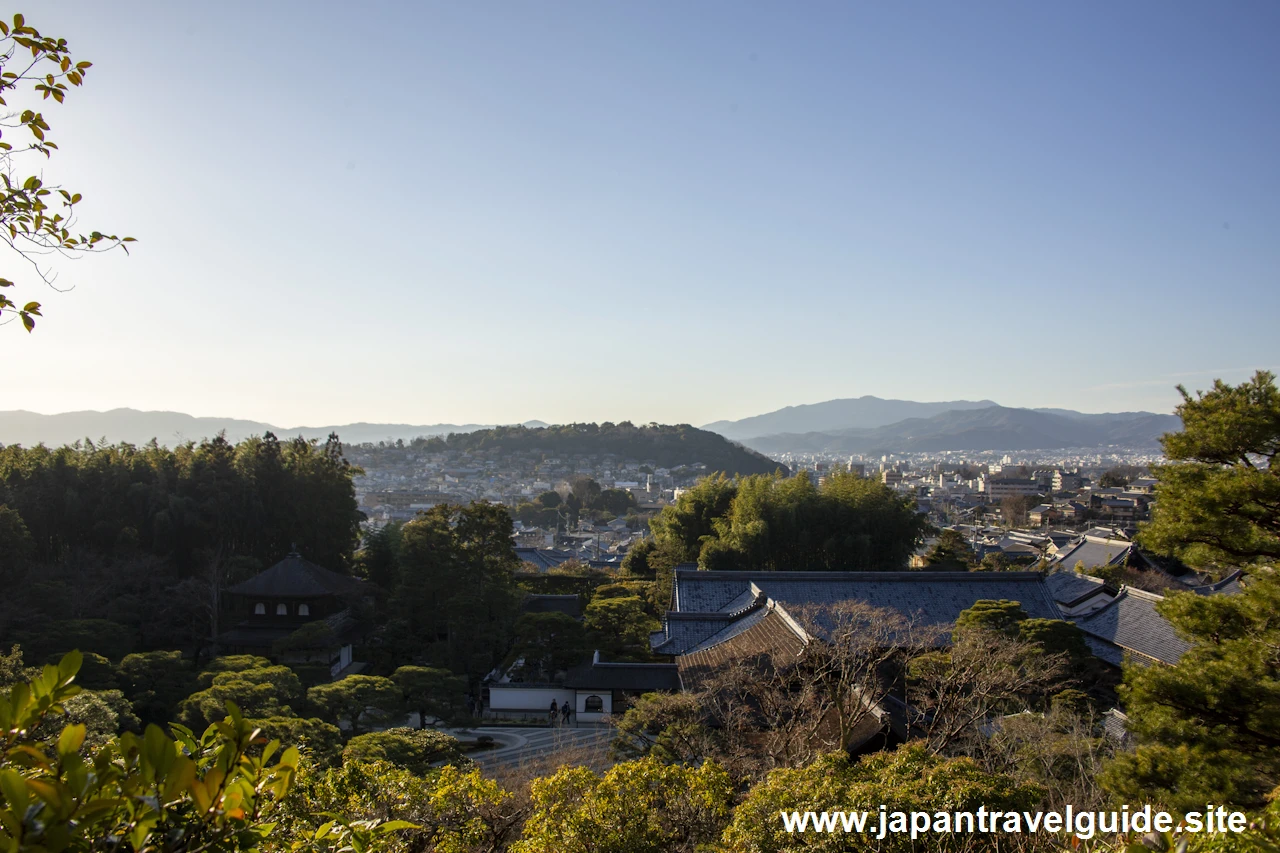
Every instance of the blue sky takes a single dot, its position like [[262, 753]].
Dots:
[[484, 212]]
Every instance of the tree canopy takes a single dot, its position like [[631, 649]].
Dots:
[[1210, 725], [770, 522], [670, 446], [455, 603], [256, 499], [1218, 501]]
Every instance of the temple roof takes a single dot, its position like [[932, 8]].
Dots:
[[297, 577], [708, 603]]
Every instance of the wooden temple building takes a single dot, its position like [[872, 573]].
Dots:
[[295, 593]]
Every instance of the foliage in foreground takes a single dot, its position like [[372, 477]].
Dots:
[[29, 221], [909, 779], [640, 806], [149, 792]]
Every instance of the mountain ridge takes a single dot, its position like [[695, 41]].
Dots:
[[135, 426], [987, 428], [843, 413]]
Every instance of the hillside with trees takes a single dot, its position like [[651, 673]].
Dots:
[[666, 445]]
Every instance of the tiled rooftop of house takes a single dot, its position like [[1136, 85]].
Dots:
[[1130, 624]]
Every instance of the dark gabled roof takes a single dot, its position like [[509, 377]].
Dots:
[[1131, 624], [1230, 585], [623, 676], [570, 605], [684, 631], [543, 558], [296, 577], [770, 632], [926, 597], [934, 596], [1070, 588]]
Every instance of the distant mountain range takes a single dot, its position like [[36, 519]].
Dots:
[[991, 427], [861, 425], [173, 428], [856, 413]]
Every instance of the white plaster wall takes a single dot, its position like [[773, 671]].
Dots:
[[513, 697]]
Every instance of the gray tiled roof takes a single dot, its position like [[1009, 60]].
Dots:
[[1130, 623], [733, 629], [1115, 725], [1230, 585], [1069, 587], [544, 558], [770, 633], [682, 632], [707, 592], [1096, 551], [624, 676], [297, 577], [1103, 650], [928, 597]]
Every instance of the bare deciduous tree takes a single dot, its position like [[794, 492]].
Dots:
[[953, 693]]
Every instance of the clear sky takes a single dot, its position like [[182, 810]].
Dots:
[[490, 212]]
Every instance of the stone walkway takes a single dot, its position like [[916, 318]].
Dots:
[[517, 745]]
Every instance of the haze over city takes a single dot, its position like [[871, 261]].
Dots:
[[573, 212]]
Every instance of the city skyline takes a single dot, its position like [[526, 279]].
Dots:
[[431, 213]]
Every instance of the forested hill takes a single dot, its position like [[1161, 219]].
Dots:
[[668, 446]]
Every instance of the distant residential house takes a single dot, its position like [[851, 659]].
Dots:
[[1073, 510], [1119, 507], [1044, 514], [1142, 485]]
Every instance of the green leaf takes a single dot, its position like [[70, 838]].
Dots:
[[15, 792], [71, 661], [71, 739]]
